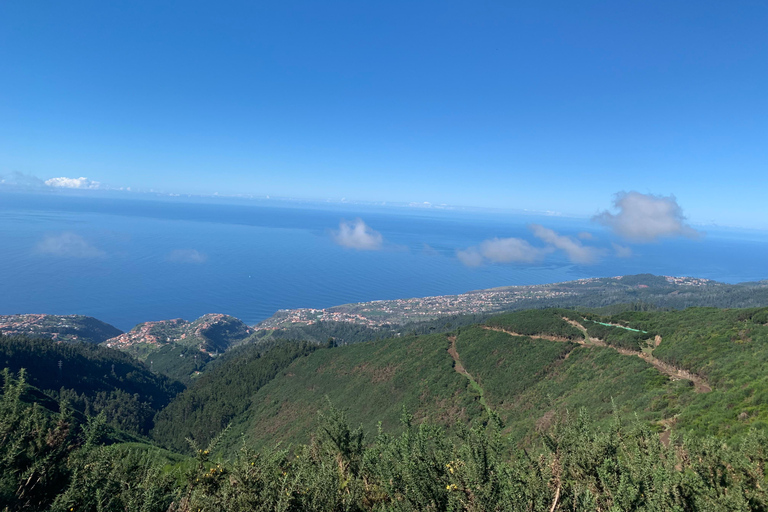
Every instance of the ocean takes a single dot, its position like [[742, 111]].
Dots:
[[126, 260]]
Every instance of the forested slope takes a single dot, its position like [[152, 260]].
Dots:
[[374, 380], [221, 395], [672, 370], [92, 378]]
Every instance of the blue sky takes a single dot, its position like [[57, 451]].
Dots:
[[535, 105]]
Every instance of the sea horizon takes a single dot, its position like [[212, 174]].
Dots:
[[125, 260]]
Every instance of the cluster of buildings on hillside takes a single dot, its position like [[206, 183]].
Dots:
[[688, 281], [48, 326], [400, 311]]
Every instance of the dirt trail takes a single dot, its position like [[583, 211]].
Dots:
[[455, 355], [699, 384], [537, 337], [460, 369], [587, 339]]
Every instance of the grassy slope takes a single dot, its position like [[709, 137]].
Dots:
[[373, 380], [727, 347], [529, 382]]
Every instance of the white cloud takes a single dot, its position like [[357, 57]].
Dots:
[[585, 235], [621, 251], [646, 217], [471, 257], [517, 250], [187, 256], [501, 250], [81, 182], [510, 250], [576, 252], [68, 245], [357, 235]]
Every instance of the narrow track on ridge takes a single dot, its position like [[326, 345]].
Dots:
[[463, 371], [699, 384]]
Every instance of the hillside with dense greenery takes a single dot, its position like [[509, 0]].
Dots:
[[727, 348], [527, 382], [54, 462], [92, 379], [204, 410], [540, 323], [527, 367], [535, 410]]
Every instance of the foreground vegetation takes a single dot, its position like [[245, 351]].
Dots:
[[49, 461]]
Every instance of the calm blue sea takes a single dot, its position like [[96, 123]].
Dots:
[[125, 261]]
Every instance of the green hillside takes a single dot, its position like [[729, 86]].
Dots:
[[373, 380], [673, 370], [54, 462], [535, 410], [530, 382], [527, 382], [92, 379], [727, 348], [538, 322], [221, 395]]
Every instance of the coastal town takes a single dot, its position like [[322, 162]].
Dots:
[[400, 311], [374, 314]]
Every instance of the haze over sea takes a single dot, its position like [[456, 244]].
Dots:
[[126, 260]]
